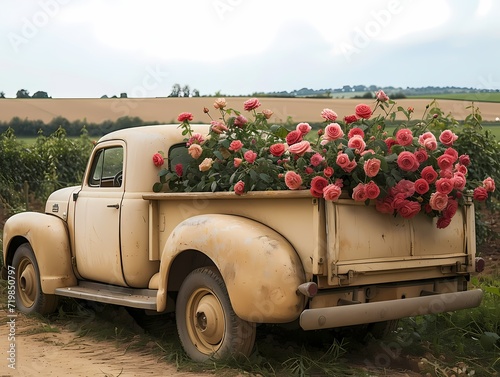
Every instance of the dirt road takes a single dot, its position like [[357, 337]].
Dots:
[[42, 350]]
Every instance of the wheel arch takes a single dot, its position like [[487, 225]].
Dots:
[[48, 237], [260, 268]]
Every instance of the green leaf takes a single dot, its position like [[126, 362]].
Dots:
[[218, 155], [488, 340], [265, 177], [157, 187]]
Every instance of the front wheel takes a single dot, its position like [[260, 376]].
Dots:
[[206, 322], [28, 290]]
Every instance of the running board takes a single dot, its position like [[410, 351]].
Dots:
[[111, 294]]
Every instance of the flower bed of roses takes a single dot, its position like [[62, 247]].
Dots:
[[410, 171]]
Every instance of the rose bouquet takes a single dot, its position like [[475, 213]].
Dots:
[[404, 173]]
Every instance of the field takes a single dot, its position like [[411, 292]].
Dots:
[[166, 110], [470, 97]]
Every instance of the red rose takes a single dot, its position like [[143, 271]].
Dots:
[[445, 161], [332, 192], [277, 149], [293, 137], [184, 117], [179, 169], [480, 194], [350, 119], [444, 185], [158, 160], [464, 159], [372, 190], [384, 205], [363, 111], [404, 137], [421, 186], [318, 184], [443, 222], [328, 172], [239, 188], [429, 174]]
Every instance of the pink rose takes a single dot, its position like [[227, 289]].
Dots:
[[343, 160], [239, 188], [464, 159], [328, 172], [293, 137], [355, 131], [333, 132], [428, 141], [438, 201], [489, 184], [409, 209], [195, 139], [352, 165], [429, 174], [452, 152], [240, 121], [381, 96], [250, 156], [206, 164], [235, 145], [251, 104], [300, 148], [480, 194], [447, 138], [237, 162], [421, 186], [332, 192], [384, 205], [372, 167], [356, 142], [316, 159], [389, 142], [363, 111], [329, 115], [404, 137], [444, 185], [158, 160], [318, 184], [459, 180], [359, 193], [404, 187], [184, 117], [277, 149], [195, 151], [372, 190], [445, 161], [293, 180], [421, 155], [461, 168], [407, 161], [304, 128], [218, 127]]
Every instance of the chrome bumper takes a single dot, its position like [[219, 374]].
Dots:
[[349, 315]]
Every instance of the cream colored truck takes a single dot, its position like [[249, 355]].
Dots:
[[225, 262]]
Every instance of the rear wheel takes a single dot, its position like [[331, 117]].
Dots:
[[28, 293], [206, 322]]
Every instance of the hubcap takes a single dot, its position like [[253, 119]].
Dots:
[[205, 321], [28, 283]]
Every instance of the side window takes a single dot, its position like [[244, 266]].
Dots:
[[178, 154], [107, 168]]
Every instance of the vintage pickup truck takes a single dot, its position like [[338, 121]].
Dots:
[[226, 262]]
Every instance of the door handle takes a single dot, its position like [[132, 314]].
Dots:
[[113, 206]]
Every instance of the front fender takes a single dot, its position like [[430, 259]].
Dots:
[[260, 268], [48, 237]]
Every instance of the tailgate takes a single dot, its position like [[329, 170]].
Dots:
[[366, 247]]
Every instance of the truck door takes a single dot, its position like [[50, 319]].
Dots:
[[97, 216]]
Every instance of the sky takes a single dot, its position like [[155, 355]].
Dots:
[[91, 48]]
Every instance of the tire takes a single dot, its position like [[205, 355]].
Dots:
[[380, 330], [206, 323], [29, 296]]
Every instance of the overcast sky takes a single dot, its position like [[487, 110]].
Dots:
[[88, 48]]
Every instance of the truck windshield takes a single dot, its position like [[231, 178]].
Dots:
[[107, 168]]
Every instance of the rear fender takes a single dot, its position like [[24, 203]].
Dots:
[[260, 268], [48, 237]]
